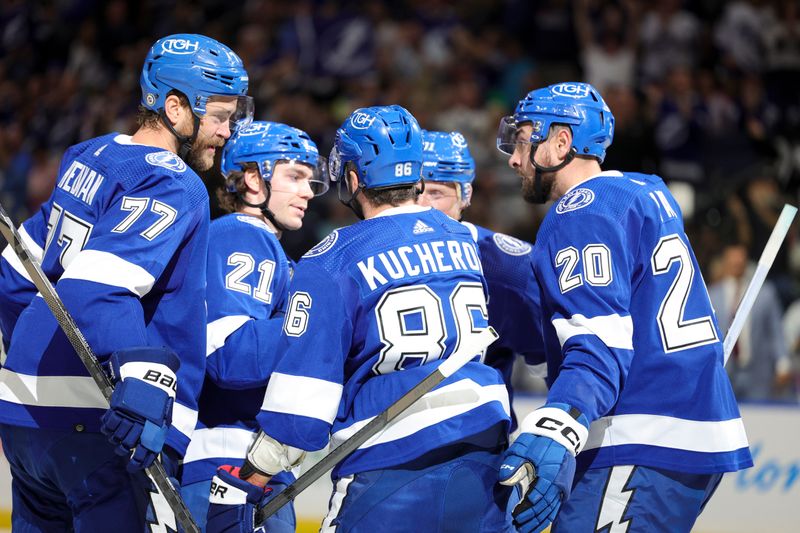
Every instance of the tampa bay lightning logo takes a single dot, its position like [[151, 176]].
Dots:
[[324, 245], [458, 140], [575, 199], [511, 245], [571, 90], [167, 160]]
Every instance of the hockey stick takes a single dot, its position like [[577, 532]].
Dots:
[[465, 353], [156, 470], [764, 264]]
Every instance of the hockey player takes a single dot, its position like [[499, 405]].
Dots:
[[448, 170], [124, 238], [638, 391], [373, 308], [271, 172]]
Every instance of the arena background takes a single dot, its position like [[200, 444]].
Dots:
[[705, 93]]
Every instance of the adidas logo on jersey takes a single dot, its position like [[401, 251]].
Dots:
[[421, 227]]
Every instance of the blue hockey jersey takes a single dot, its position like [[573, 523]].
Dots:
[[123, 237], [630, 334], [372, 310], [248, 282], [17, 288], [513, 301], [513, 298]]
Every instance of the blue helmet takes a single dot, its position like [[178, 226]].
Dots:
[[199, 67], [268, 143], [384, 142], [578, 105], [447, 158]]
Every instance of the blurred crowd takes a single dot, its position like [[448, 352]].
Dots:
[[705, 93]]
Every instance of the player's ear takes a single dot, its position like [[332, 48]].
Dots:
[[174, 109], [352, 180], [563, 142], [252, 180]]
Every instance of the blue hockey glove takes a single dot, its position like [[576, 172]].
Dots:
[[234, 502], [542, 462], [141, 404]]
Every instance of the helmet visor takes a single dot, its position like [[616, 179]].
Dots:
[[237, 111], [507, 134], [319, 181]]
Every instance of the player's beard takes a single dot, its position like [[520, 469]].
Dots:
[[199, 159], [529, 187]]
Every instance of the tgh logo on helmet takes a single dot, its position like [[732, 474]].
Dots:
[[571, 90], [361, 120], [256, 128], [180, 46]]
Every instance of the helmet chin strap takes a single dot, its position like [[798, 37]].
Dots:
[[354, 206], [540, 195], [264, 207], [185, 142]]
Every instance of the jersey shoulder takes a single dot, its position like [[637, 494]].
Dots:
[[245, 234], [349, 244], [495, 243], [620, 199], [128, 167]]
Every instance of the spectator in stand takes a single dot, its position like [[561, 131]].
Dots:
[[759, 365]]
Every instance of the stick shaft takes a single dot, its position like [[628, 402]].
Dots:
[[156, 471], [462, 356], [764, 264]]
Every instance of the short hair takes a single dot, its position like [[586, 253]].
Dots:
[[393, 196]]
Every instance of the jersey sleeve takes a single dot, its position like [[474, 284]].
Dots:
[[16, 287], [128, 249], [244, 318], [304, 392], [585, 272]]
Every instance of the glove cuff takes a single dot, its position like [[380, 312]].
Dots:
[[270, 456], [228, 489], [154, 366], [560, 422]]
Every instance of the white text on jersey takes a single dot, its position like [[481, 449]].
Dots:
[[423, 258], [81, 181]]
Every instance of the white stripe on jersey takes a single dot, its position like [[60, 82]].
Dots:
[[108, 269], [13, 260], [667, 432], [73, 391], [303, 396], [184, 419], [50, 391], [219, 330], [208, 443], [435, 407], [335, 504], [615, 331]]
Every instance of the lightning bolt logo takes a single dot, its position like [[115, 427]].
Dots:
[[160, 517], [616, 498]]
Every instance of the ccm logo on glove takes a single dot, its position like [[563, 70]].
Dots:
[[567, 432]]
